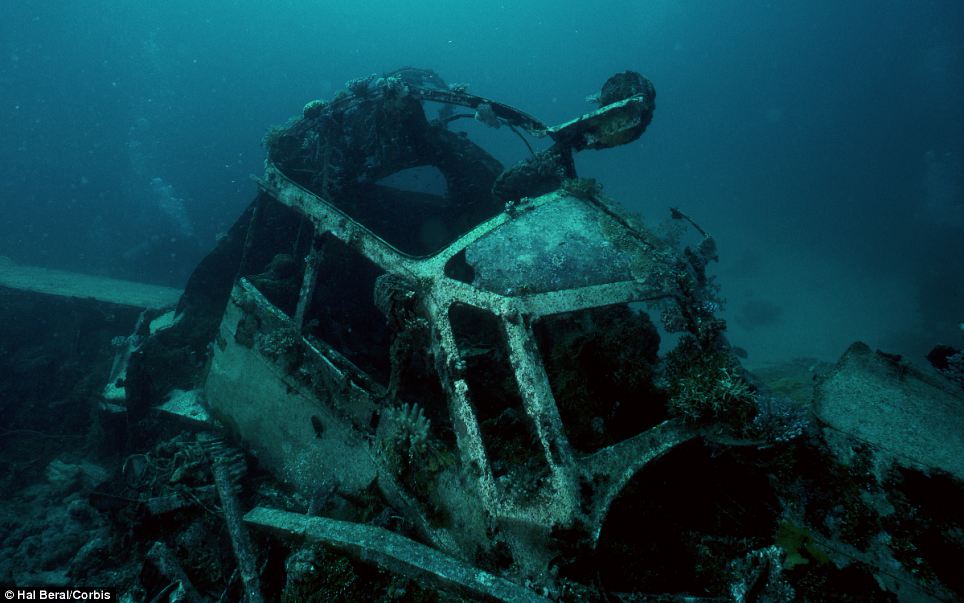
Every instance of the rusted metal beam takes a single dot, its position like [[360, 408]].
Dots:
[[394, 553]]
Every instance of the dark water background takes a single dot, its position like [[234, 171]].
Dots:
[[820, 142]]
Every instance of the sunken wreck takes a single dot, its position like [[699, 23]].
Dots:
[[507, 389]]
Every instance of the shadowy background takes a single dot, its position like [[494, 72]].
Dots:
[[821, 143]]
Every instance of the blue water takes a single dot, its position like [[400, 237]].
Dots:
[[820, 142]]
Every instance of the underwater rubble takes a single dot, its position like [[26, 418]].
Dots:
[[512, 390]]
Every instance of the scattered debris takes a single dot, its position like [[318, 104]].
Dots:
[[911, 418]]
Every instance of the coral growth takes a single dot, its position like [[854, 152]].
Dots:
[[708, 387]]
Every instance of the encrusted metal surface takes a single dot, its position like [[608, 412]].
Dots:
[[564, 251], [560, 499]]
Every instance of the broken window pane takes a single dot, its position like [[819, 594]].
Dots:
[[560, 245], [457, 268]]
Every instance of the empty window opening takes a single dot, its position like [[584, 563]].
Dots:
[[663, 527], [602, 365], [424, 179], [415, 184], [342, 312], [419, 384], [510, 439], [274, 263]]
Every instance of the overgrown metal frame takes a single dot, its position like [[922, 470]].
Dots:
[[562, 500]]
